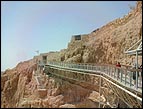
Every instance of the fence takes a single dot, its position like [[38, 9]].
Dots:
[[126, 76]]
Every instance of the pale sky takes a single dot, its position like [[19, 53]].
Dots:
[[27, 26]]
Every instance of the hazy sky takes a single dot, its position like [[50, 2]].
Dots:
[[27, 26]]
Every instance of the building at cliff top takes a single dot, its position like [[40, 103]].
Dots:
[[44, 57], [78, 37]]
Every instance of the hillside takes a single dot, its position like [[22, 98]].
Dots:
[[19, 87], [108, 43]]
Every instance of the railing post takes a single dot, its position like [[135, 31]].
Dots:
[[106, 69], [99, 90], [136, 70], [101, 68], [120, 71], [64, 64], [125, 76], [74, 65], [98, 68], [89, 67], [140, 79], [82, 66], [136, 79], [92, 67], [117, 73], [130, 79], [114, 72], [110, 70]]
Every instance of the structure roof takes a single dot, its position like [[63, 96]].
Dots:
[[137, 47]]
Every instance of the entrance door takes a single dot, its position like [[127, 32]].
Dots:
[[45, 59]]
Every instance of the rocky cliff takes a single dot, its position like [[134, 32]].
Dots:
[[24, 87], [14, 82], [108, 43]]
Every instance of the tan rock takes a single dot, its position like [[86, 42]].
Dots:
[[67, 106], [42, 93], [105, 45]]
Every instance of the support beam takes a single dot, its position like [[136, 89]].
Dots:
[[136, 68]]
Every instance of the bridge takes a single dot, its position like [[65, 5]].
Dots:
[[102, 75]]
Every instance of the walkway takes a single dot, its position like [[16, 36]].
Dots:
[[121, 85]]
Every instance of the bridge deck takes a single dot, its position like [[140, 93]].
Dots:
[[109, 73], [125, 78]]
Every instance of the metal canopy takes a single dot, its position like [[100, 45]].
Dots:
[[138, 49]]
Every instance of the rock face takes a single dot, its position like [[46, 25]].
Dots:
[[14, 82], [28, 89], [24, 87], [108, 43]]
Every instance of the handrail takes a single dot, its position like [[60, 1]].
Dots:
[[122, 75], [111, 65]]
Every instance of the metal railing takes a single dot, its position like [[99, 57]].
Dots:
[[124, 76]]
